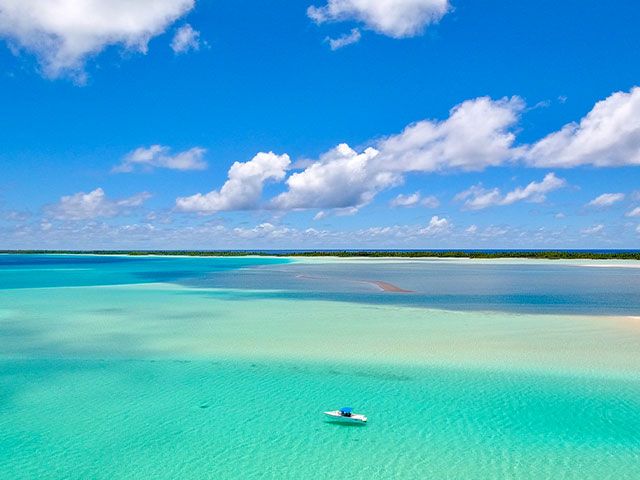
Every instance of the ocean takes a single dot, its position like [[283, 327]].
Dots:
[[169, 367]]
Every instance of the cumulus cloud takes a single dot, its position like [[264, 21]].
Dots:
[[436, 226], [159, 156], [394, 18], [406, 200], [477, 134], [343, 40], [92, 205], [477, 197], [64, 33], [185, 39], [243, 189], [342, 178], [606, 200], [608, 136], [413, 200]]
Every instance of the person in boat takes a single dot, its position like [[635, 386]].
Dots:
[[346, 411]]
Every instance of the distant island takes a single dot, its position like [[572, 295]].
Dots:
[[480, 254]]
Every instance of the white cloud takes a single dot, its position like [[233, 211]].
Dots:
[[594, 230], [64, 33], [185, 39], [413, 200], [477, 197], [608, 136], [436, 226], [430, 202], [494, 231], [95, 204], [606, 200], [638, 229], [14, 216], [476, 135], [264, 230], [395, 18], [243, 189], [634, 213], [491, 232], [158, 156], [184, 232], [338, 212], [343, 40], [406, 200], [342, 178]]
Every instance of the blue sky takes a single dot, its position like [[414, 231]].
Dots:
[[319, 124]]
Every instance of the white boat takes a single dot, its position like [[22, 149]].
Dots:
[[346, 415]]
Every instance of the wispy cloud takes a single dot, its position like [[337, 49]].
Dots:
[[343, 40], [159, 156], [633, 212], [593, 230], [92, 205], [185, 39], [477, 197], [606, 200], [413, 200]]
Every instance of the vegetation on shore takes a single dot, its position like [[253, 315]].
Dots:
[[532, 254]]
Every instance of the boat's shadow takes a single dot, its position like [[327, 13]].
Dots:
[[344, 424]]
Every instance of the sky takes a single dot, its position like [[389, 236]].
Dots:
[[301, 124]]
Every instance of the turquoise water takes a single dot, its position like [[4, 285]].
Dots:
[[220, 368]]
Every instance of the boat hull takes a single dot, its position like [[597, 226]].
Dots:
[[336, 416]]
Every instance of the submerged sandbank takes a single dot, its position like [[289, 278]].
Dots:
[[388, 287], [187, 323]]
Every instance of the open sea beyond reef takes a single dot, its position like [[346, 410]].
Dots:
[[116, 367]]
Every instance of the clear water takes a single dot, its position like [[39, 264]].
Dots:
[[113, 367]]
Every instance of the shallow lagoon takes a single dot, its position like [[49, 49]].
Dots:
[[221, 419], [219, 368]]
